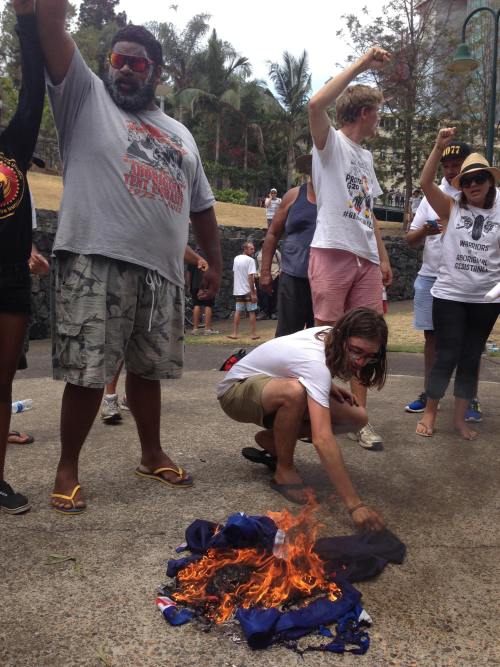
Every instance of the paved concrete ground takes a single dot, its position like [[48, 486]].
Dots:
[[440, 495]]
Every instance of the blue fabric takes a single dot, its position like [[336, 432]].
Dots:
[[177, 615], [299, 228], [263, 627], [239, 532]]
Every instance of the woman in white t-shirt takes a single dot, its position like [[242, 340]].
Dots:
[[286, 387], [470, 267]]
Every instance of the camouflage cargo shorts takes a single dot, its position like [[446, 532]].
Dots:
[[105, 311]]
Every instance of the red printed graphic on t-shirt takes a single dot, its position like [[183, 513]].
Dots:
[[11, 186], [154, 165]]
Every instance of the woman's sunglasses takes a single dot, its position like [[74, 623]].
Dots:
[[136, 63], [478, 178]]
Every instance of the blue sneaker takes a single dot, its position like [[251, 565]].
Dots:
[[473, 413], [418, 405]]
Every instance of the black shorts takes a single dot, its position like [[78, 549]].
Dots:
[[15, 288], [201, 302]]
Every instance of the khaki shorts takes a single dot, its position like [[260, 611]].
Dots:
[[104, 312], [242, 401]]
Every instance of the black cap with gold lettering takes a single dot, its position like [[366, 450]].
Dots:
[[457, 150]]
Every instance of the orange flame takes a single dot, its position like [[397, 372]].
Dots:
[[253, 577]]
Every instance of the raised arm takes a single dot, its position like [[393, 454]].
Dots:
[[57, 45], [274, 233], [438, 200], [21, 134], [207, 236], [319, 121]]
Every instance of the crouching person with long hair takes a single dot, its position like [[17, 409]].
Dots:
[[286, 386]]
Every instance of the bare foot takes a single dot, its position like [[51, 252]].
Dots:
[[265, 440], [425, 428], [163, 461], [233, 337], [466, 432], [255, 337], [66, 486]]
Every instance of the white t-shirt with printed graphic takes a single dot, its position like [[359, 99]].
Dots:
[[432, 246], [300, 355], [130, 179], [470, 260], [346, 186], [243, 266]]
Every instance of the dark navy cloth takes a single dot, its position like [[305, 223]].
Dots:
[[263, 627], [239, 532], [299, 228], [359, 557]]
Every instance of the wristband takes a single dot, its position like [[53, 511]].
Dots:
[[356, 507]]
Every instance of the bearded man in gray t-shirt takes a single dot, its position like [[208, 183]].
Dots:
[[132, 180]]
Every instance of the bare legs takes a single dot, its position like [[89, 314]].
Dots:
[[144, 399], [288, 399], [12, 329], [236, 324], [110, 388], [252, 316], [79, 409]]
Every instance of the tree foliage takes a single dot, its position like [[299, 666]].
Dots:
[[292, 83]]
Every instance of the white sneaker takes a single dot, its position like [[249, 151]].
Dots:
[[110, 412], [368, 438], [211, 332], [124, 404]]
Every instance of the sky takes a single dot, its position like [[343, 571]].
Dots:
[[264, 29]]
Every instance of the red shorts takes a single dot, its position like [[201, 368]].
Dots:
[[341, 281]]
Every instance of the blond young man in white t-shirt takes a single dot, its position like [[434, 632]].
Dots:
[[348, 263]]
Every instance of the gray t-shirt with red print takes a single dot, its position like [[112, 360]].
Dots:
[[130, 179]]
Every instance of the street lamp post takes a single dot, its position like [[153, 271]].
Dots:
[[464, 62]]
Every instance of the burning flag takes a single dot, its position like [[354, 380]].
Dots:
[[267, 572]]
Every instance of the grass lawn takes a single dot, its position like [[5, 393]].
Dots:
[[47, 192], [402, 336]]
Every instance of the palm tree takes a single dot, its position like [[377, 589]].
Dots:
[[181, 53], [292, 83], [223, 70]]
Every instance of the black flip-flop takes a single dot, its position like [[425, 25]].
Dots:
[[259, 456], [285, 489]]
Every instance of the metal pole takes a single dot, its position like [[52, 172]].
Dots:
[[491, 113], [493, 95]]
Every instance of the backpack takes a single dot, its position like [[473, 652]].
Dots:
[[233, 358]]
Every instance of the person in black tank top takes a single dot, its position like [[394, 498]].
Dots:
[[296, 217]]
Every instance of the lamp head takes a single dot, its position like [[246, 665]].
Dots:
[[463, 60]]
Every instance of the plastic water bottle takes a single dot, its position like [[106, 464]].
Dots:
[[280, 547], [22, 406]]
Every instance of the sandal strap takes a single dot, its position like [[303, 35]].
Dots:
[[71, 498], [178, 471]]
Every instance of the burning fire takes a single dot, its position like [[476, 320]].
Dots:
[[223, 580]]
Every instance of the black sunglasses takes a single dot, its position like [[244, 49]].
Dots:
[[479, 178]]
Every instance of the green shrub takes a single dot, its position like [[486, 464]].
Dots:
[[231, 195]]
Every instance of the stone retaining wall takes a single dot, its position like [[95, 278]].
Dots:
[[405, 262]]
